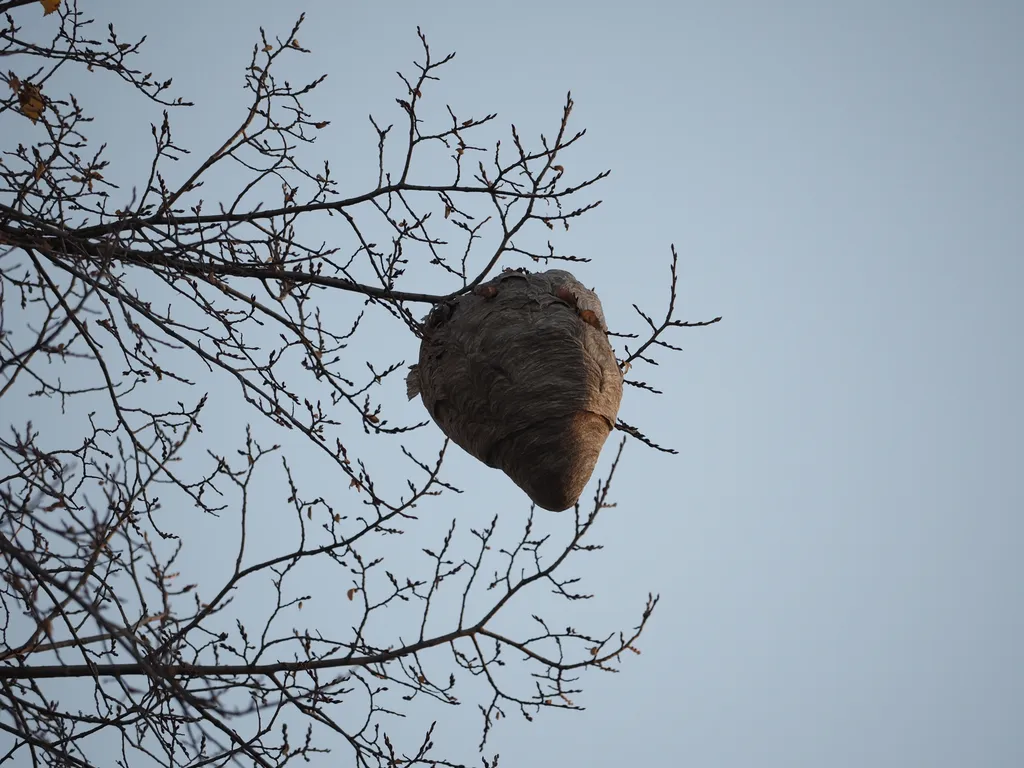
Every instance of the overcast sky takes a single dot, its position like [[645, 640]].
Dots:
[[837, 544]]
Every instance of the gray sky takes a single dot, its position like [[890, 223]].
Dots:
[[837, 544]]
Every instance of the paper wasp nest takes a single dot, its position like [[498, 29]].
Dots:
[[520, 374]]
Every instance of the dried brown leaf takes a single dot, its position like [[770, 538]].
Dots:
[[31, 101]]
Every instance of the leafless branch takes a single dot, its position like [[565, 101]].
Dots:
[[138, 313]]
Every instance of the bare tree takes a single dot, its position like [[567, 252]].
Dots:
[[128, 308]]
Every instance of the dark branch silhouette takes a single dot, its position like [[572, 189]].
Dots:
[[135, 311]]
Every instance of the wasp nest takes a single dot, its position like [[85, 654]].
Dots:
[[520, 374]]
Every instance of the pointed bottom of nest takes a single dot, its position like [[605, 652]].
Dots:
[[553, 466]]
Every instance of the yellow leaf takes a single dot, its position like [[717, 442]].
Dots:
[[40, 170], [31, 100], [295, 43], [268, 47], [14, 82], [49, 6]]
